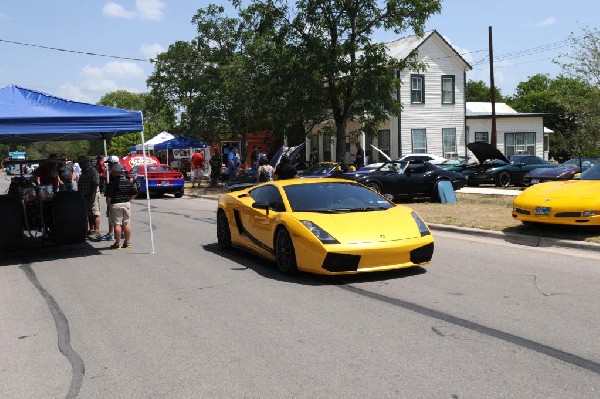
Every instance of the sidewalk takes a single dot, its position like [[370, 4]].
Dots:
[[489, 190]]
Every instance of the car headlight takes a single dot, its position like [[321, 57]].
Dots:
[[421, 224], [321, 234], [590, 213]]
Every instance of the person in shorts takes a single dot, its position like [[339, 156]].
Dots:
[[119, 193], [197, 167], [88, 186]]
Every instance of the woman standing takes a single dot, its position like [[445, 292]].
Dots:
[[265, 170]]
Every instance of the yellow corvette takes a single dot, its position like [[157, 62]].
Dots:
[[324, 226], [571, 202]]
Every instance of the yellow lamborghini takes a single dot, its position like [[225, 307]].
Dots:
[[324, 226], [571, 202]]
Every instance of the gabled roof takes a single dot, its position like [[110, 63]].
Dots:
[[27, 116], [401, 48]]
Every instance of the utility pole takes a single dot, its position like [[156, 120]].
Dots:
[[492, 88]]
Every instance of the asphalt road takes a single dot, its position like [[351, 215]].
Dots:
[[486, 318]]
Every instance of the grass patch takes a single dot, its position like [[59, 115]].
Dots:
[[493, 212]]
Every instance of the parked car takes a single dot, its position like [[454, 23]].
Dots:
[[407, 180], [564, 171], [495, 168], [325, 169], [459, 163], [162, 179], [571, 202], [323, 226], [434, 159]]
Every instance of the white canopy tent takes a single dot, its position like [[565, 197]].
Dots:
[[159, 138]]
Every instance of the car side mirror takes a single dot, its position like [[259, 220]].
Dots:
[[261, 205]]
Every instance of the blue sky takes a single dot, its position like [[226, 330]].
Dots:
[[527, 35]]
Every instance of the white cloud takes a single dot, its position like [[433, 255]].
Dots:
[[466, 54], [73, 93], [150, 9], [547, 22], [114, 70], [117, 11], [145, 9], [151, 50]]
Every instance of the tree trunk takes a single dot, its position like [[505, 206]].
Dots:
[[340, 142]]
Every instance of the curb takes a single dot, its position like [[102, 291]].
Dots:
[[516, 238]]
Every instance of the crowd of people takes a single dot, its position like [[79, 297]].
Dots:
[[93, 179]]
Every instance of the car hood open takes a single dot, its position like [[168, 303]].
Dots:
[[484, 151]]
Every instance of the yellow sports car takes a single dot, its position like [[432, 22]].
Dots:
[[572, 202], [324, 226]]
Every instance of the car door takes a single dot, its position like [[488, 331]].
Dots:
[[391, 177], [416, 180], [259, 224]]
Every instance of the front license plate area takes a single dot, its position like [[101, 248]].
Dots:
[[542, 211]]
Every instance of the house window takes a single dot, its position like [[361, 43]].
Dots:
[[482, 137], [383, 144], [449, 142], [519, 143], [327, 147], [417, 89], [546, 143], [419, 140], [448, 89]]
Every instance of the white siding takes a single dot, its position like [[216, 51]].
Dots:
[[509, 125], [433, 115]]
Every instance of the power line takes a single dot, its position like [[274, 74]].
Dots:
[[74, 51]]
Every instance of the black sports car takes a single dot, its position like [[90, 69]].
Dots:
[[404, 180], [495, 168]]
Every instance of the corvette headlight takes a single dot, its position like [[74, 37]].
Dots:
[[422, 226], [321, 234], [590, 213]]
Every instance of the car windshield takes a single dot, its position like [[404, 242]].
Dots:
[[585, 162], [591, 174], [395, 166], [334, 197], [159, 168]]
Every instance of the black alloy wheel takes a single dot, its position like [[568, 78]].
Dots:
[[285, 253], [223, 231], [503, 179]]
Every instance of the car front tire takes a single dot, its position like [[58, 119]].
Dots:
[[223, 231], [503, 179], [285, 253]]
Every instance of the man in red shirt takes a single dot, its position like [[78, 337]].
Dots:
[[197, 166]]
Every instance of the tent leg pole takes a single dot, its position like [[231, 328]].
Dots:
[[147, 193]]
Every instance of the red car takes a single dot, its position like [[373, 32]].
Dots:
[[162, 179]]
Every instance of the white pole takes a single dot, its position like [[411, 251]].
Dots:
[[147, 194]]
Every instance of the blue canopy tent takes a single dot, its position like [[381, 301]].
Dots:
[[30, 116], [179, 143]]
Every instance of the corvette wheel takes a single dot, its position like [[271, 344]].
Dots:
[[503, 179], [179, 194], [285, 253], [223, 232]]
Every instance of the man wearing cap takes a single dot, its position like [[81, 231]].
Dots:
[[88, 185], [119, 192]]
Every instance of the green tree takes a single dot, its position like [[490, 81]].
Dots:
[[351, 74], [565, 101], [583, 63], [479, 91], [156, 119]]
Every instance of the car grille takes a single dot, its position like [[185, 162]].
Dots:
[[341, 262], [522, 211], [568, 215]]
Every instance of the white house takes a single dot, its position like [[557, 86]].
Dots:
[[433, 117], [516, 133]]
